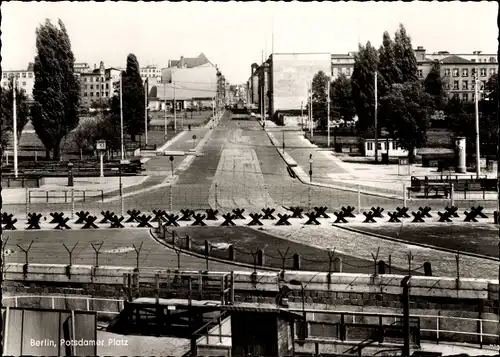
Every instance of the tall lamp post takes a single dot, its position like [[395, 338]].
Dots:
[[146, 111], [14, 112], [121, 116], [311, 167], [304, 316], [476, 102], [165, 131]]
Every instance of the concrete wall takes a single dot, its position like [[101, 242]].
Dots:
[[292, 74], [468, 298], [317, 285]]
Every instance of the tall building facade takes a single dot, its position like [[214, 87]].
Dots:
[[25, 79], [97, 87]]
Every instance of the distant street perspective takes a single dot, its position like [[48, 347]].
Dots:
[[318, 204]]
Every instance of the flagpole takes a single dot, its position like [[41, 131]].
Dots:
[[146, 111]]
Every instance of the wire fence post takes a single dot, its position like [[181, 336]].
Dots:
[[27, 203], [375, 259], [216, 195], [137, 252], [283, 260], [72, 203], [457, 259], [359, 199], [404, 194], [97, 252], [410, 258], [26, 256], [331, 256], [70, 252], [170, 197]]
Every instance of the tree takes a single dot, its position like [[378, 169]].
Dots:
[[342, 105], [434, 86], [85, 135], [133, 98], [410, 108], [320, 84], [388, 66], [363, 86], [56, 91], [7, 125], [405, 56]]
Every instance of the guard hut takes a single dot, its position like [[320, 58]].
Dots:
[[262, 331]]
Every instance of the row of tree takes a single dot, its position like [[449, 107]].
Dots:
[[405, 103], [54, 112]]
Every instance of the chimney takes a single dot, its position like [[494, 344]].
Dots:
[[420, 53], [95, 66]]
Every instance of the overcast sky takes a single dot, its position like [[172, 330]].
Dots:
[[233, 35]]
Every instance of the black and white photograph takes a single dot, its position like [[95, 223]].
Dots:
[[282, 179]]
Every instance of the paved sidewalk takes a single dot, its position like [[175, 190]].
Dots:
[[329, 170], [158, 171]]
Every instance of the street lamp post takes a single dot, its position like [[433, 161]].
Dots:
[[14, 112], [310, 167], [304, 316], [146, 111], [165, 130], [121, 116]]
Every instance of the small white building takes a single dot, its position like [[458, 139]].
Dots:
[[395, 149]]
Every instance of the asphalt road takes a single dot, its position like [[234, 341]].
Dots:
[[117, 249]]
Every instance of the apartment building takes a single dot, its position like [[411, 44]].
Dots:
[[98, 85], [342, 64], [457, 70], [150, 72], [25, 79]]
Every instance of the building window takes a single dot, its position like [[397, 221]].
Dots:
[[96, 94], [107, 85], [24, 75], [465, 72], [447, 72], [419, 73], [4, 75], [465, 85], [379, 146], [483, 72], [456, 72], [465, 96], [492, 71], [84, 94], [30, 75], [473, 85], [348, 71], [102, 86], [107, 94], [24, 84], [91, 94], [455, 85], [483, 83], [369, 146], [91, 86]]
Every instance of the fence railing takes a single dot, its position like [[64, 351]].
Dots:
[[434, 334], [67, 195], [314, 317]]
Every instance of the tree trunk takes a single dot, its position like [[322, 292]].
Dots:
[[57, 150], [411, 156]]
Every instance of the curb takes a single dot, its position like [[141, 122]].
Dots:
[[300, 172], [214, 259], [423, 245], [134, 193]]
